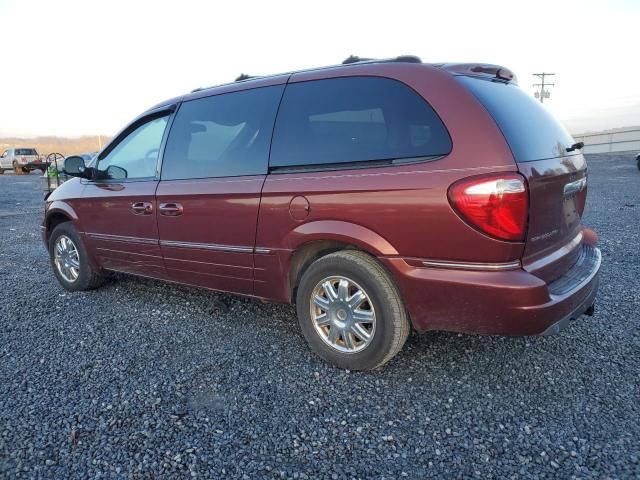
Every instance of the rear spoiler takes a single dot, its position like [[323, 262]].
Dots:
[[484, 70]]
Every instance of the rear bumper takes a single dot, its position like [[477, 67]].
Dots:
[[587, 305], [35, 165], [512, 302]]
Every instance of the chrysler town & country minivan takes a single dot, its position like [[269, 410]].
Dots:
[[378, 197]]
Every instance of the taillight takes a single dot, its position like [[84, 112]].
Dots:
[[497, 205]]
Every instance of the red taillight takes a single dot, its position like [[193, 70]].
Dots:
[[496, 205]]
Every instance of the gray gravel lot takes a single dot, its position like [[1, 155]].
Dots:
[[148, 380]]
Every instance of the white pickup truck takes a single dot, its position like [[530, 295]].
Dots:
[[21, 161]]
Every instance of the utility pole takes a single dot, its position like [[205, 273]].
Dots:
[[542, 94]]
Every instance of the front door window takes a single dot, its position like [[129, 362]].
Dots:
[[136, 156]]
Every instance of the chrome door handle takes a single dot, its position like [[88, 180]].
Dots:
[[170, 209], [142, 208]]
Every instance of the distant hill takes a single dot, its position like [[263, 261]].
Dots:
[[64, 145]]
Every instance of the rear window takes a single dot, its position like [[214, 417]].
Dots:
[[355, 119], [26, 151], [532, 132]]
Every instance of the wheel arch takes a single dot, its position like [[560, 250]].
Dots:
[[314, 240], [58, 212]]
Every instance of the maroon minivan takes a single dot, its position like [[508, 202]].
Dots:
[[378, 196]]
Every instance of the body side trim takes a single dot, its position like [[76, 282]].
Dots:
[[121, 238], [169, 243], [206, 246], [499, 266]]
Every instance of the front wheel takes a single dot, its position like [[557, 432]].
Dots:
[[638, 159], [70, 261], [350, 311]]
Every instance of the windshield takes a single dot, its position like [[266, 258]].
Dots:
[[532, 132], [26, 151]]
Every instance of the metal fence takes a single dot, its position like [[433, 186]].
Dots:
[[617, 141]]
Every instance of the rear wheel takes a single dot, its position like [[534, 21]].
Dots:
[[18, 170], [350, 311], [1, 171], [70, 261], [638, 160]]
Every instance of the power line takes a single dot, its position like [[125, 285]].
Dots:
[[542, 94]]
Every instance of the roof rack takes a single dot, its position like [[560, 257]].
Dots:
[[355, 59], [351, 59], [243, 76]]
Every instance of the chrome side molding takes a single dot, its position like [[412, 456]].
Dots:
[[121, 238], [171, 243], [477, 266], [206, 246]]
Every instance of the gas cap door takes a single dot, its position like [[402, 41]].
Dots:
[[299, 208]]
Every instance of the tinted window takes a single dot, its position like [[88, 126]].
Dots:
[[530, 129], [222, 135], [26, 151], [355, 119], [137, 154]]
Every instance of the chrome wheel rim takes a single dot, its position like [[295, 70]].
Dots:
[[66, 258], [343, 314]]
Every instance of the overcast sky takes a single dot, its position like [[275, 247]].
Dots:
[[87, 67]]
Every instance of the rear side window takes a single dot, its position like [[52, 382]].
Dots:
[[26, 151], [222, 135], [355, 119], [532, 132]]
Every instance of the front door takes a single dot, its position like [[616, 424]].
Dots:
[[119, 207], [213, 169], [5, 160]]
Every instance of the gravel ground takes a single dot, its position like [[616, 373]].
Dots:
[[147, 380]]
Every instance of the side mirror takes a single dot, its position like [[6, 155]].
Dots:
[[75, 167], [116, 173]]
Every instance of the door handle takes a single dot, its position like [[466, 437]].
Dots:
[[170, 209], [142, 208]]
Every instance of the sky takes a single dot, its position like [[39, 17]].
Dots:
[[83, 67]]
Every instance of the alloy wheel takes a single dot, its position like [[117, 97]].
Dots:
[[343, 314], [66, 258]]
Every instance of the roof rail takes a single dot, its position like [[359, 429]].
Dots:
[[401, 59], [355, 59], [243, 76], [351, 60]]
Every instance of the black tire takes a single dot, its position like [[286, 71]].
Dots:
[[638, 159], [18, 170], [88, 276], [391, 324], [1, 171]]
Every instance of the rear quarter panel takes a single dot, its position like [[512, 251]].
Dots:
[[404, 207]]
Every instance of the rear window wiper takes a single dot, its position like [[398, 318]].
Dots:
[[575, 146]]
